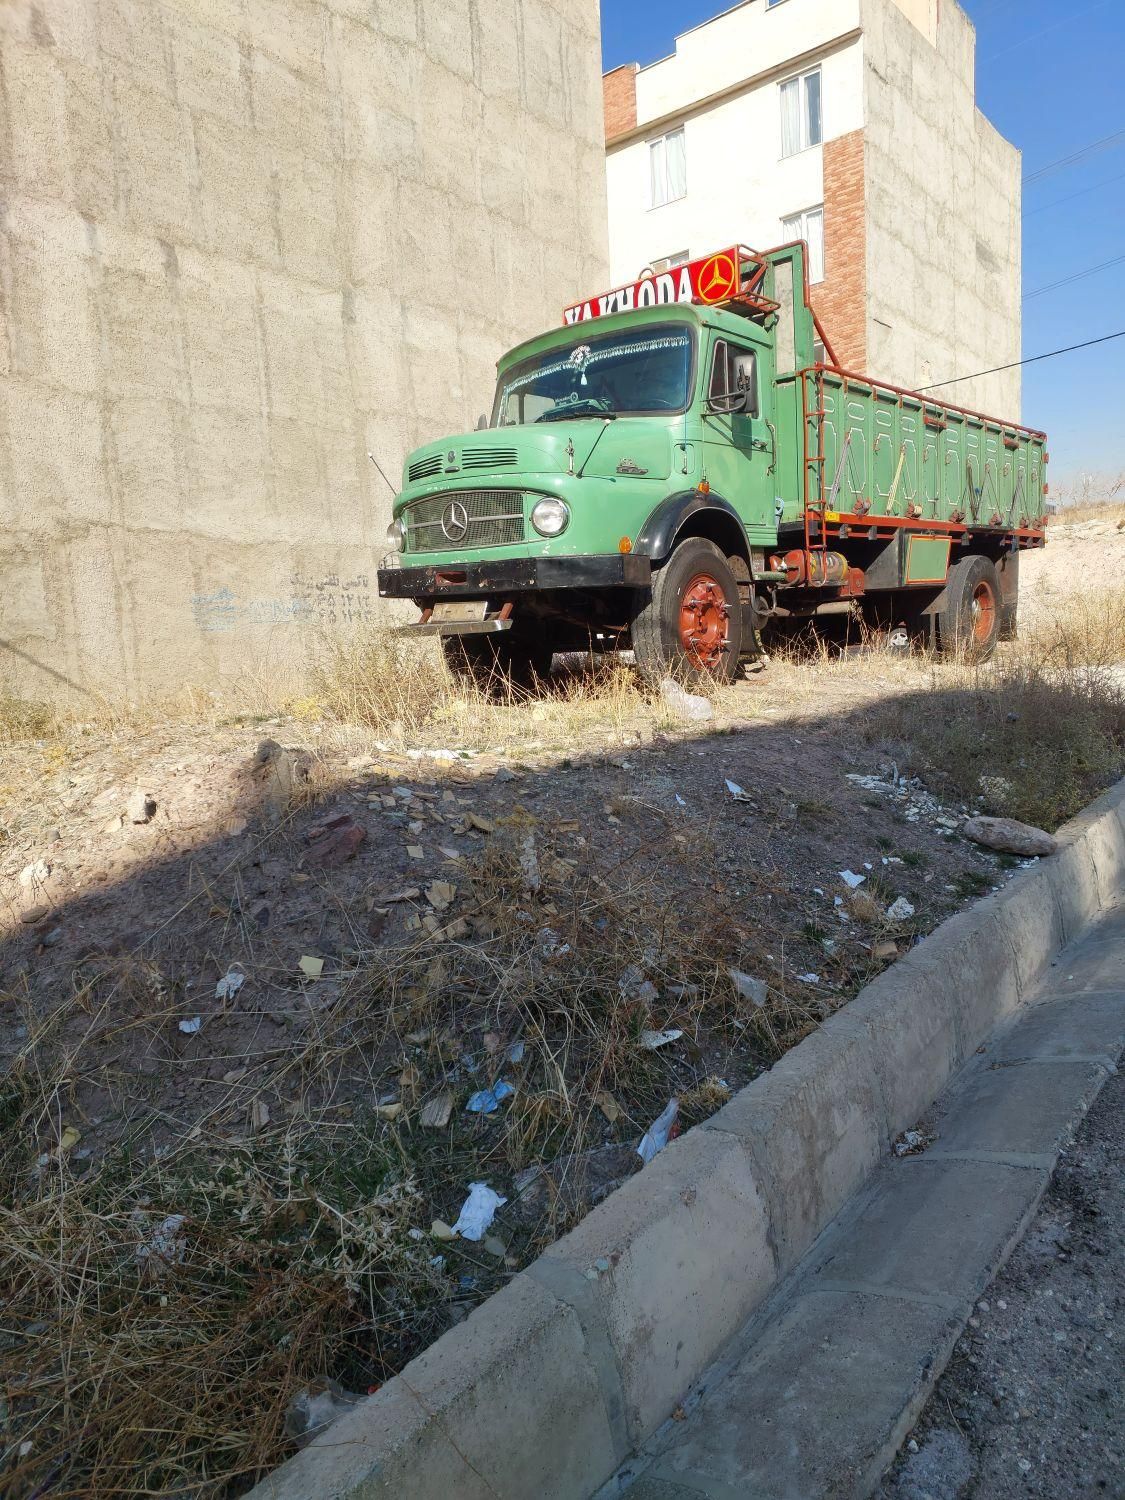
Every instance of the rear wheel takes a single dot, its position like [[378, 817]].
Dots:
[[688, 624], [970, 620], [509, 660]]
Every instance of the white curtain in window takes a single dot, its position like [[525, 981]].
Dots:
[[676, 151], [814, 234], [657, 173], [791, 117]]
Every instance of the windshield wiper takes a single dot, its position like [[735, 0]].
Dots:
[[592, 407]]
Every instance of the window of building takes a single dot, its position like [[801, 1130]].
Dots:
[[670, 262], [801, 123], [667, 158], [771, 3], [734, 369], [808, 226]]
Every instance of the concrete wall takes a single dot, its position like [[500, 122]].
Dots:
[[739, 187], [943, 212], [241, 243]]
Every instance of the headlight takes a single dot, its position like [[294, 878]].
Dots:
[[396, 535], [550, 517]]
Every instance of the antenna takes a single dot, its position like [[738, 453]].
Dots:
[[384, 478]]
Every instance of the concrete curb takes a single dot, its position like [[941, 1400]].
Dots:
[[549, 1385]]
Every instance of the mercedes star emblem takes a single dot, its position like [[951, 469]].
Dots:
[[455, 521]]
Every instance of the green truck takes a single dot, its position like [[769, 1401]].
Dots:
[[683, 467]]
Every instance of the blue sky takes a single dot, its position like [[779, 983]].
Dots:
[[1051, 83]]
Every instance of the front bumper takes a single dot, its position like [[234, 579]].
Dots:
[[512, 575]]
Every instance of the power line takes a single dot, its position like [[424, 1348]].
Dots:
[[1078, 276], [1075, 157], [1070, 197], [1043, 30], [1034, 360]]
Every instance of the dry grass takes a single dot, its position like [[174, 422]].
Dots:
[[304, 1246], [1034, 734]]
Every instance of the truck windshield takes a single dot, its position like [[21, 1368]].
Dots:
[[646, 371]]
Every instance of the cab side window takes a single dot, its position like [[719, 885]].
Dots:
[[734, 369]]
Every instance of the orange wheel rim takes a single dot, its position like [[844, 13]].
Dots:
[[705, 622], [984, 612]]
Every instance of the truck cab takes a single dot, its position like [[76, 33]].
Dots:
[[653, 476]]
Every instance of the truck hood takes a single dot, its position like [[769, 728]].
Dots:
[[637, 447]]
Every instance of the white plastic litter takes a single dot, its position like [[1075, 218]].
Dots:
[[189, 1028], [748, 987], [808, 978], [163, 1244], [654, 1040], [737, 793], [899, 910], [657, 1135], [478, 1211], [229, 985], [851, 879], [516, 1052], [688, 706]]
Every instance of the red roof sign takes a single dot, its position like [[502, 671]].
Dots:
[[715, 278]]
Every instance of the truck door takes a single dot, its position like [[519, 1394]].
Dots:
[[738, 445]]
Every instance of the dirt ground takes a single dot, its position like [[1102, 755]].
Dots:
[[285, 943], [1033, 1402]]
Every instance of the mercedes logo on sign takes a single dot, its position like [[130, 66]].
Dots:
[[455, 521]]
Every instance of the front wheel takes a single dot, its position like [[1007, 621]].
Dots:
[[970, 621], [688, 623]]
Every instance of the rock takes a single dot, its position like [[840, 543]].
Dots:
[[1009, 836], [504, 774], [749, 988], [900, 910], [52, 937], [334, 842], [688, 706], [35, 874], [32, 914], [140, 807]]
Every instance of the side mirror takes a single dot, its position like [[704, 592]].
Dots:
[[482, 423]]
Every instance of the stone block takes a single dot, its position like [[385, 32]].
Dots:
[[57, 457], [207, 67], [236, 191], [668, 1268], [25, 612], [448, 35], [132, 40], [154, 146], [309, 193], [38, 142], [228, 472], [51, 319], [142, 345], [814, 1128], [149, 449], [296, 32], [292, 110], [220, 329]]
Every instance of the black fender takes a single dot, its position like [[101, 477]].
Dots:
[[722, 524]]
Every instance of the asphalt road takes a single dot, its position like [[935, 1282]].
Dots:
[[1032, 1403]]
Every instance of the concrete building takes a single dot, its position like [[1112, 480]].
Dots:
[[242, 242], [852, 124]]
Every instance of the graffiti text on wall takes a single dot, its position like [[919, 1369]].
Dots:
[[331, 600]]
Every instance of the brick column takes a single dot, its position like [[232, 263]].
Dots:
[[619, 99], [840, 301]]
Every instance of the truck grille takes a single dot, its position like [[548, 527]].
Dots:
[[492, 518]]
